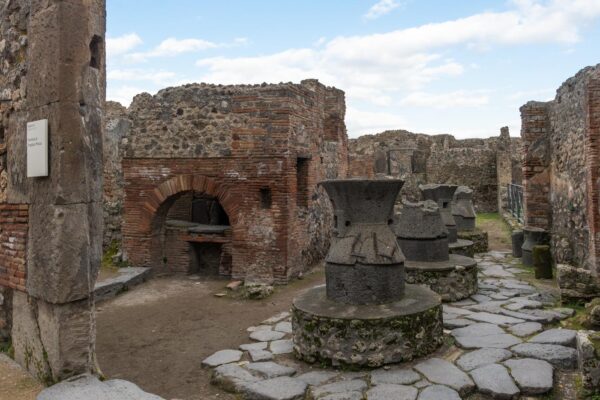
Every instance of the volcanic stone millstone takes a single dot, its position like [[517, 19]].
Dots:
[[369, 335]]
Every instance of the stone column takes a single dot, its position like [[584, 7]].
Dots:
[[592, 157], [503, 168], [53, 321], [536, 171]]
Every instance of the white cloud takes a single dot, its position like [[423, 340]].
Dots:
[[361, 122], [172, 47], [122, 44], [460, 98], [534, 94], [157, 77], [123, 94], [381, 8]]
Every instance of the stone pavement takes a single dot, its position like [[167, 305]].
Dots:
[[506, 348]]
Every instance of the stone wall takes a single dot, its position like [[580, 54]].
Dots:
[[561, 140], [264, 148], [419, 159], [51, 67]]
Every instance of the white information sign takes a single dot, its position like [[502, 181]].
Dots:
[[37, 148]]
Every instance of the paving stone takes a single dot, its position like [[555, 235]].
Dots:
[[270, 369], [259, 328], [254, 346], [495, 380], [281, 347], [526, 329], [456, 310], [260, 355], [231, 377], [533, 376], [457, 323], [498, 296], [549, 316], [492, 306], [519, 287], [559, 356], [484, 335], [563, 337], [282, 388], [422, 383], [564, 311], [480, 298], [276, 318], [478, 328], [481, 357], [285, 327], [439, 392], [316, 378], [396, 377], [446, 316], [343, 396], [89, 387], [462, 303], [389, 392], [443, 372], [509, 293], [520, 303], [524, 316], [127, 391], [222, 357], [354, 385], [497, 271], [266, 336], [496, 319]]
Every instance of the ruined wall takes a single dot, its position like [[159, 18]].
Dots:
[[252, 139], [561, 168], [419, 159]]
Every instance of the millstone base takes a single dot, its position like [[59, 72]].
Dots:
[[453, 280], [366, 335], [478, 237], [462, 247]]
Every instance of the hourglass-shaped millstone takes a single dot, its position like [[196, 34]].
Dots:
[[421, 233], [442, 194], [365, 264], [463, 210]]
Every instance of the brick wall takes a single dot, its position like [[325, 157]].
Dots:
[[13, 242]]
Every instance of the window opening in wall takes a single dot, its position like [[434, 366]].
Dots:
[[302, 165], [266, 199]]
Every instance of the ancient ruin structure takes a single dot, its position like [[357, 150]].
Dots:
[[485, 165], [423, 238], [442, 195], [463, 210], [53, 68], [365, 314], [222, 179], [560, 171]]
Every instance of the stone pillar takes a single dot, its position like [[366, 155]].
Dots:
[[503, 168], [592, 157], [536, 171], [53, 321]]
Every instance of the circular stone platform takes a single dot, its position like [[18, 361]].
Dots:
[[366, 335], [462, 247], [454, 280]]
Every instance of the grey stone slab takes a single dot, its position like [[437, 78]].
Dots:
[[481, 357], [126, 278], [480, 298], [559, 356], [526, 329], [353, 385], [281, 346], [496, 319], [525, 316], [254, 346], [497, 341], [281, 388], [422, 383], [462, 303], [495, 380], [457, 323], [439, 392], [509, 293], [276, 318], [343, 396], [456, 310], [498, 296], [222, 357], [492, 306], [270, 369], [564, 311], [316, 378], [394, 376], [520, 303], [497, 271], [284, 326], [478, 329], [266, 336], [231, 377], [533, 376], [446, 316], [563, 337], [443, 372], [129, 391], [260, 328], [260, 355], [389, 392]]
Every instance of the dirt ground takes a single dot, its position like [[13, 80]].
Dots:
[[15, 383], [157, 334], [498, 231]]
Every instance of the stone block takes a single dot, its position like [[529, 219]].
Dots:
[[64, 256], [517, 242], [53, 342], [542, 262]]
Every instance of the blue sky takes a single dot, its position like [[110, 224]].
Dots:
[[462, 67]]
